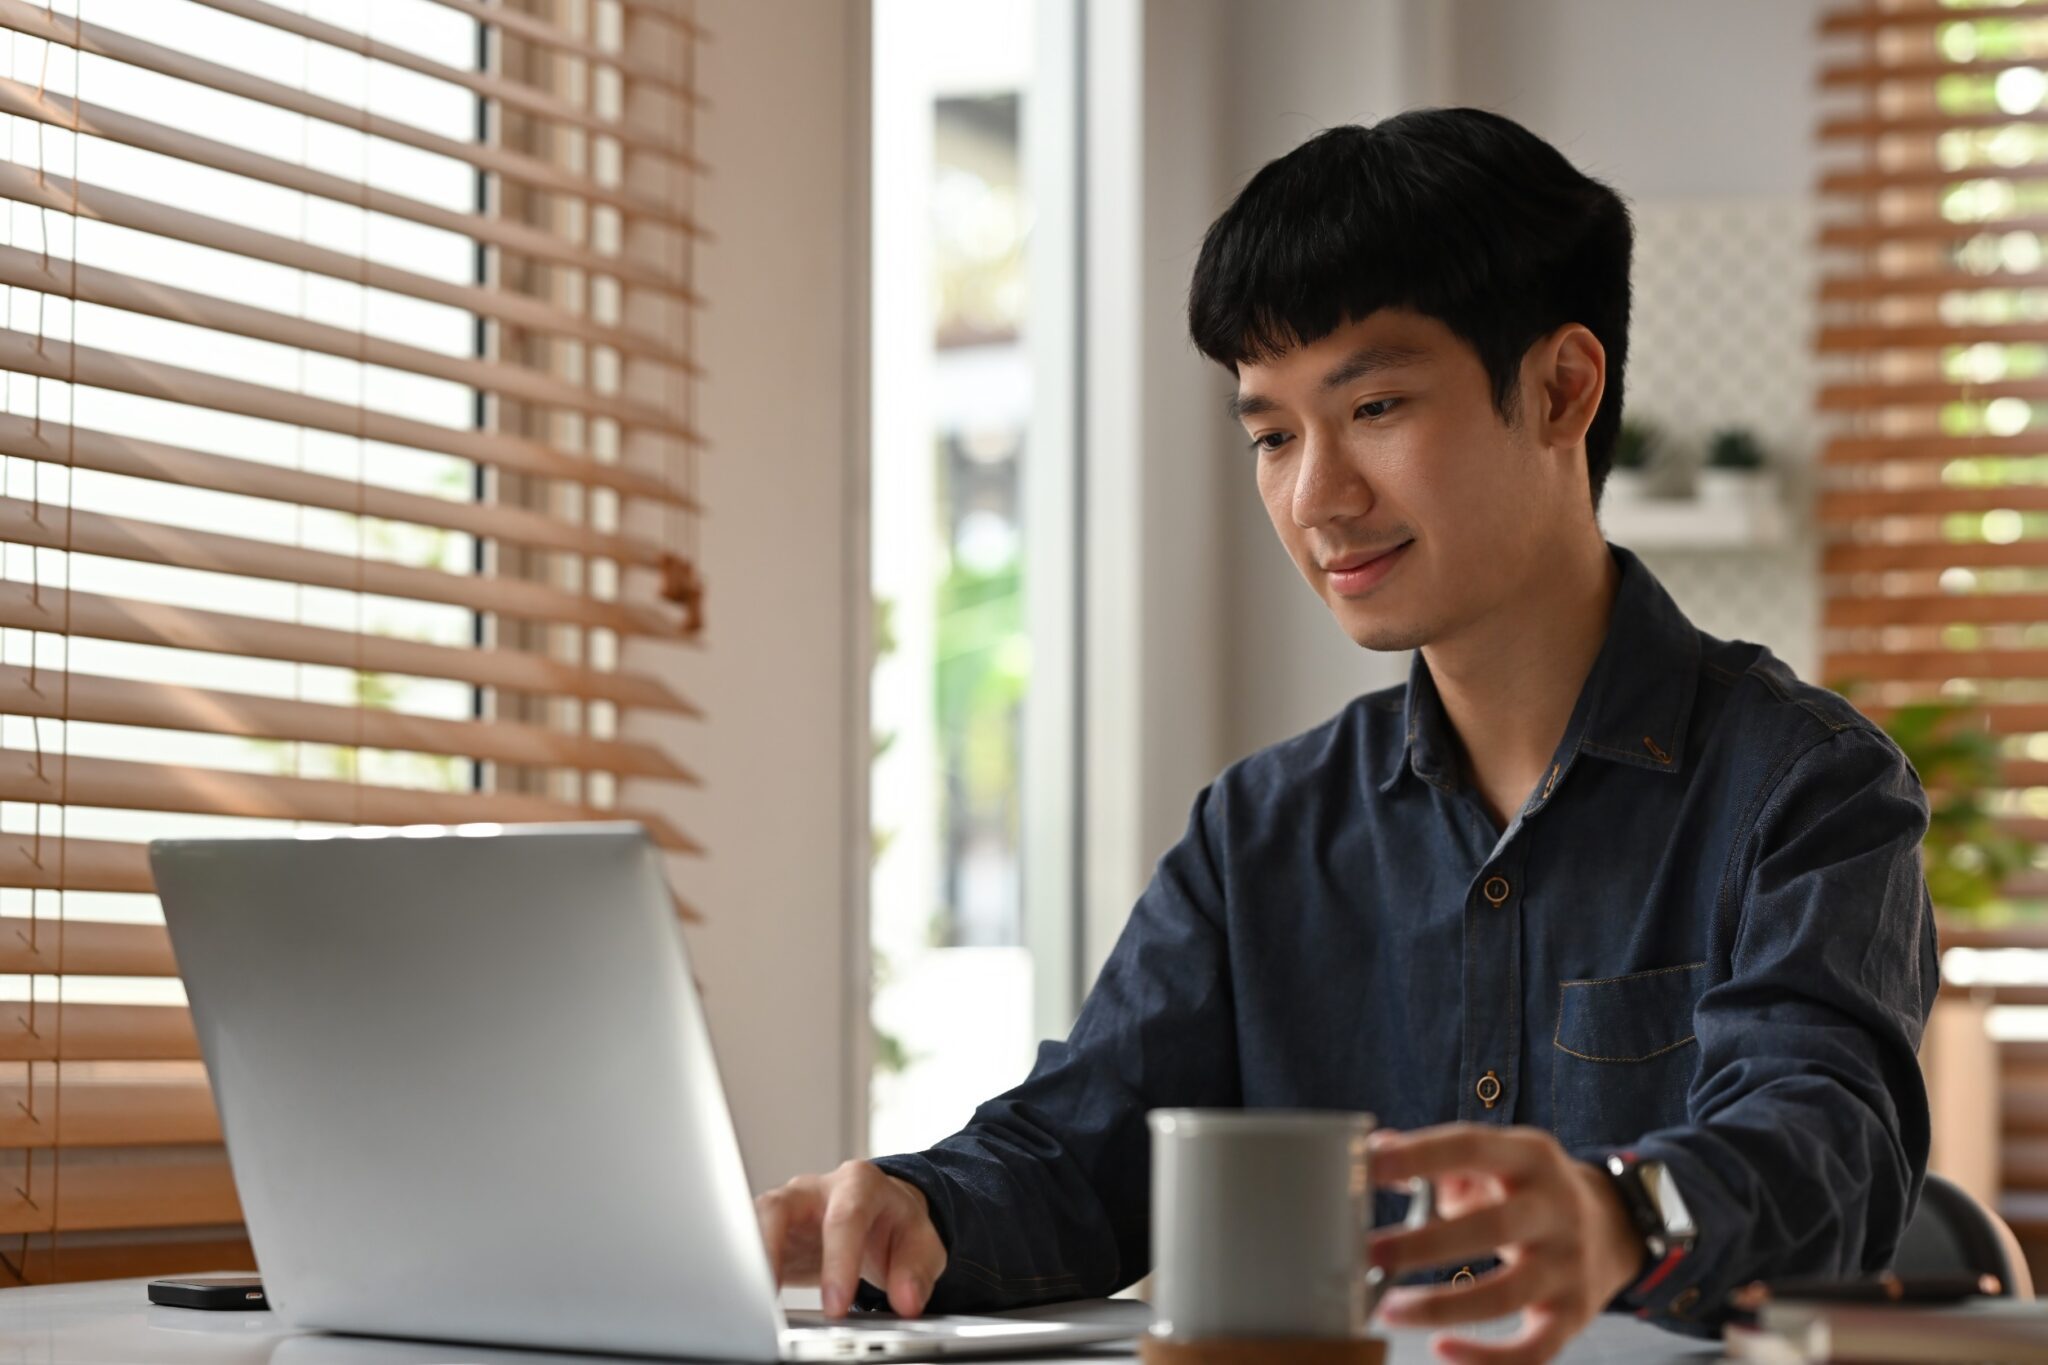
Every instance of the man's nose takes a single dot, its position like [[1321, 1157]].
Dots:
[[1327, 486]]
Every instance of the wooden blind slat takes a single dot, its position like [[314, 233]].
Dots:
[[73, 779], [84, 947], [1853, 286], [541, 33], [27, 354], [62, 862], [146, 1104], [1868, 20], [82, 448], [1894, 609], [90, 284], [1924, 177], [1917, 336], [76, 1196], [61, 111], [1925, 231], [537, 30], [48, 1032], [51, 191], [24, 523], [1866, 505], [513, 94], [1876, 557], [164, 706], [1855, 74], [1910, 450], [1937, 665], [1871, 129], [111, 43], [1864, 397], [101, 617]]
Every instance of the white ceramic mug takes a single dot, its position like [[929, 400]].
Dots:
[[1262, 1223]]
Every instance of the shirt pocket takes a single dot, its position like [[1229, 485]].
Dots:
[[1624, 1054]]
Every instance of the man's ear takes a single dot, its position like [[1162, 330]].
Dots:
[[1571, 377]]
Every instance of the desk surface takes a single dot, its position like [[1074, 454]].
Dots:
[[113, 1323]]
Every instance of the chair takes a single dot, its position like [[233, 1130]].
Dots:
[[1951, 1232]]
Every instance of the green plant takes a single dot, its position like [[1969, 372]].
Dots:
[[1638, 444], [1968, 856], [1734, 448]]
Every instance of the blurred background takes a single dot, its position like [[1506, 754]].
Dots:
[[773, 420]]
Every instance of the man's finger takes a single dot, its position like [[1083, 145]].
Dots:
[[1458, 1148], [1541, 1336], [849, 1214], [1492, 1295], [773, 1211], [1466, 1237], [916, 1259]]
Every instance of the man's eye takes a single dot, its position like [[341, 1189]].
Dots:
[[1384, 404], [1277, 437]]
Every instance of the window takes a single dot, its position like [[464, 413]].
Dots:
[[346, 438], [971, 508]]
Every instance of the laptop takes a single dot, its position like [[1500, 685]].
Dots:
[[468, 1095]]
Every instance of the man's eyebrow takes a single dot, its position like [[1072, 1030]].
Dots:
[[1361, 362]]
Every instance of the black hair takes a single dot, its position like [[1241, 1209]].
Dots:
[[1458, 214]]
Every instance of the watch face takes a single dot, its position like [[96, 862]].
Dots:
[[1663, 1190]]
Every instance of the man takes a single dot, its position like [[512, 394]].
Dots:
[[1592, 885]]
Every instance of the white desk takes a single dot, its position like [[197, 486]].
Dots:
[[113, 1323]]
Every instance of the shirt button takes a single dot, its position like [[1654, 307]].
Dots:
[[1496, 889], [1488, 1089]]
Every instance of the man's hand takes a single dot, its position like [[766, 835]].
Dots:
[[1564, 1240], [854, 1224]]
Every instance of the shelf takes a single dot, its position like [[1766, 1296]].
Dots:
[[1751, 519]]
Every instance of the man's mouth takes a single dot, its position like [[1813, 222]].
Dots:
[[1362, 569]]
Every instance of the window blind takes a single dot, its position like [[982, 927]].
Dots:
[[1934, 350], [1934, 343], [347, 435]]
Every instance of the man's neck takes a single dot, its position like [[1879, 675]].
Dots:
[[1509, 681]]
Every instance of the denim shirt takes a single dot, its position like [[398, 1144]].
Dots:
[[1705, 937]]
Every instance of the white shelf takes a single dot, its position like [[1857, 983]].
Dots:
[[1755, 520]]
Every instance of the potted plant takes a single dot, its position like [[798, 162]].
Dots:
[[1734, 473], [1636, 447], [1968, 856]]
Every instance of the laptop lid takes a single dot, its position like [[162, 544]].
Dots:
[[467, 1088]]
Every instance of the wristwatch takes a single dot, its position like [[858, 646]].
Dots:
[[1650, 1194]]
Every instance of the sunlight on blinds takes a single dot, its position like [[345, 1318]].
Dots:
[[347, 433], [1935, 342]]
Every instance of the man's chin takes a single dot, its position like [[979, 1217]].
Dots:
[[1379, 634]]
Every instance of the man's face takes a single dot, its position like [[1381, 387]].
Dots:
[[1408, 505]]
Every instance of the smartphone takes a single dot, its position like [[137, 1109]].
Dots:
[[240, 1292]]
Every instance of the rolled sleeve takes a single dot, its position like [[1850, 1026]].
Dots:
[[1808, 1133], [1045, 1193]]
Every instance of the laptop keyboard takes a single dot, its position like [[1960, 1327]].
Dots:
[[810, 1320]]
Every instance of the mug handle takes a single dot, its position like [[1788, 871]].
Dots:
[[1421, 1209]]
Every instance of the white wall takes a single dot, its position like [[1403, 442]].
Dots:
[[784, 410], [1661, 98]]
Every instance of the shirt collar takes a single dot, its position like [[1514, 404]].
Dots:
[[1632, 708]]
